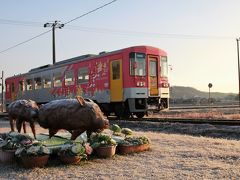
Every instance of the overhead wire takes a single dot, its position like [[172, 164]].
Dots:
[[19, 22], [120, 32], [25, 41], [154, 34], [89, 12]]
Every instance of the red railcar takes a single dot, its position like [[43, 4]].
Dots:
[[127, 81]]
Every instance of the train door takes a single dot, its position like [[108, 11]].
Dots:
[[153, 76], [116, 82]]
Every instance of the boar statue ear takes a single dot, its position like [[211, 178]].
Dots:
[[80, 100]]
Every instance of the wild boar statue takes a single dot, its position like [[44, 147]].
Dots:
[[23, 111], [74, 115]]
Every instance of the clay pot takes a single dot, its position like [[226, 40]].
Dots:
[[7, 156], [70, 159], [105, 151], [34, 161], [127, 149]]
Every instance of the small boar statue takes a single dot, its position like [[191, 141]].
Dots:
[[23, 111], [74, 115]]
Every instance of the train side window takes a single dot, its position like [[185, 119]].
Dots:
[[12, 87], [47, 83], [21, 86], [83, 75], [29, 83], [38, 83], [57, 80], [115, 70], [69, 78]]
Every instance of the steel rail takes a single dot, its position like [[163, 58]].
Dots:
[[227, 122]]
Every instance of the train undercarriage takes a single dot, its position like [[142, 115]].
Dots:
[[136, 106]]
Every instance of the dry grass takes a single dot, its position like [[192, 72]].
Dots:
[[171, 157], [206, 114], [174, 155]]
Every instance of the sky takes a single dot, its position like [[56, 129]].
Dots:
[[199, 36]]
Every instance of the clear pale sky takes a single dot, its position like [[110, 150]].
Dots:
[[198, 35]]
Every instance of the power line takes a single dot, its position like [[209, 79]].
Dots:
[[119, 32], [89, 12], [9, 21], [25, 41], [154, 34], [20, 23]]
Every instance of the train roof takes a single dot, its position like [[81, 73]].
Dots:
[[87, 57]]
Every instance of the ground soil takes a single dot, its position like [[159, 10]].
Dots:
[[177, 152]]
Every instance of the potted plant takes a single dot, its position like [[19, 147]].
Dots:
[[9, 142], [33, 155], [72, 153], [127, 143], [133, 144], [103, 145]]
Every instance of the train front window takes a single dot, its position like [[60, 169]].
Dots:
[[137, 64], [164, 67]]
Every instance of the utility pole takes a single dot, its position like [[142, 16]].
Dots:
[[54, 25], [238, 71], [2, 91]]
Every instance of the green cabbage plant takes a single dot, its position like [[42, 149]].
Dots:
[[72, 149]]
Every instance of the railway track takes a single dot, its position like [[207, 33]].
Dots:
[[203, 107], [227, 122], [228, 129]]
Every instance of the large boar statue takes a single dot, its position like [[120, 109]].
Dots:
[[23, 111], [75, 115]]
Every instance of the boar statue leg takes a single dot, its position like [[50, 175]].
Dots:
[[52, 132], [32, 125], [19, 125], [24, 127], [12, 124], [76, 133]]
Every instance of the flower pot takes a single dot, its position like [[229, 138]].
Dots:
[[70, 159], [34, 161], [7, 156], [105, 151], [127, 149]]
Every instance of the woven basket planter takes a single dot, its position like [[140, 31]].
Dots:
[[34, 161], [127, 149], [105, 151], [7, 156]]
